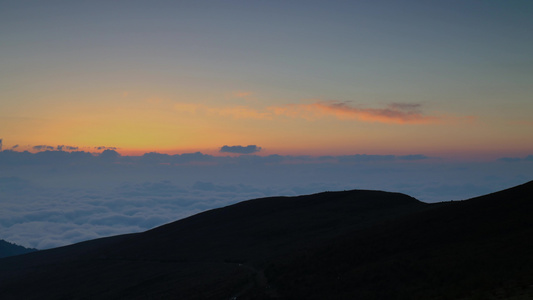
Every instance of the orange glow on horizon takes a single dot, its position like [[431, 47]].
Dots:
[[316, 128]]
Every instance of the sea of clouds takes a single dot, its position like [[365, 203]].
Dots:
[[54, 198]]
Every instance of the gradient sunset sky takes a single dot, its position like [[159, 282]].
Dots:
[[440, 78]]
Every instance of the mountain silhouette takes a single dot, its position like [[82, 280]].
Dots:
[[333, 245], [10, 249]]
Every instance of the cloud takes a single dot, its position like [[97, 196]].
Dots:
[[13, 183], [240, 149], [516, 159], [105, 148], [109, 155], [510, 159], [399, 113], [193, 157], [10, 157], [43, 147], [54, 198], [365, 158], [163, 188], [51, 148], [48, 157], [255, 159], [0, 144], [177, 159], [378, 158], [413, 157], [51, 217], [68, 148], [156, 158]]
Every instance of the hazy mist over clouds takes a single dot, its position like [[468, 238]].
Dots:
[[54, 198]]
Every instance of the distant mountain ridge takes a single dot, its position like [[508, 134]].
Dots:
[[344, 245], [10, 249]]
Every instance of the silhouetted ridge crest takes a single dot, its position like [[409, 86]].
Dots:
[[353, 200], [523, 192], [10, 249]]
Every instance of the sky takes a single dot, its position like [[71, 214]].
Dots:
[[220, 101], [447, 78]]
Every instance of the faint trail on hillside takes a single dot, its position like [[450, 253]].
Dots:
[[260, 280]]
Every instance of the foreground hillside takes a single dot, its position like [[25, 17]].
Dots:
[[333, 245], [481, 248]]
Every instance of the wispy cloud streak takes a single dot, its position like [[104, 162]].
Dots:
[[397, 113], [400, 113]]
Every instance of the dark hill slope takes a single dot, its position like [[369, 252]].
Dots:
[[255, 230], [215, 254], [481, 248], [335, 245]]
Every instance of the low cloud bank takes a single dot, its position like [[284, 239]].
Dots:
[[54, 198], [517, 159], [240, 149], [56, 157]]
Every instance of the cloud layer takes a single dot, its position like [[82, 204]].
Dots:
[[54, 198]]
